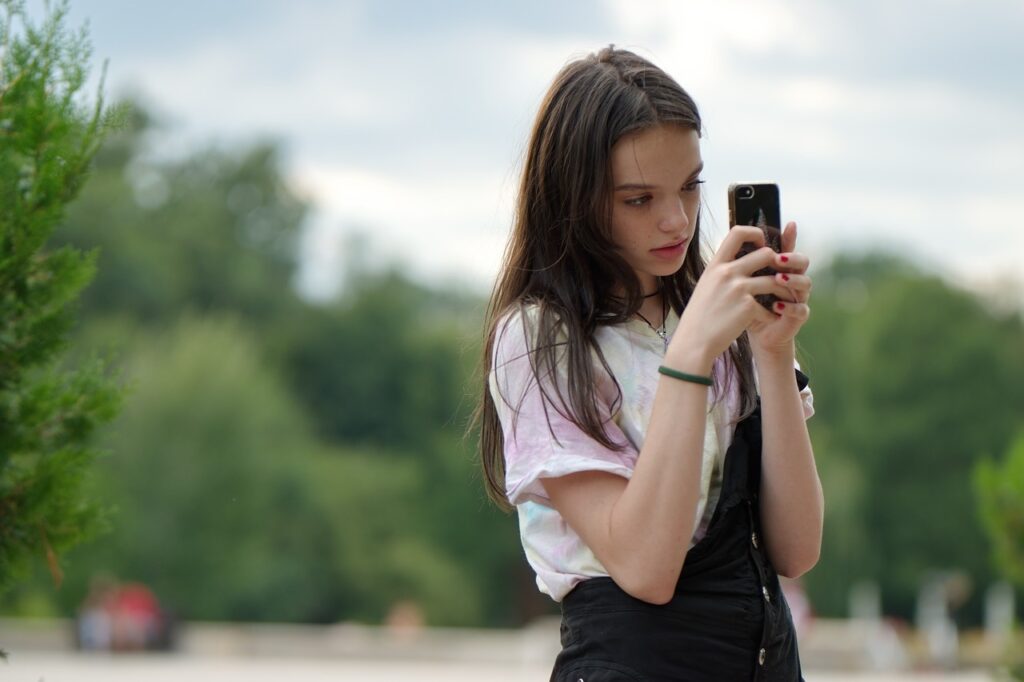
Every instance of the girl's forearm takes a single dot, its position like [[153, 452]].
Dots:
[[792, 504], [652, 523], [654, 519]]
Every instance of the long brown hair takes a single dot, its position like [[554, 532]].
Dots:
[[560, 256]]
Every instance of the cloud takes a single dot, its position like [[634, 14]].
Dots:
[[448, 224], [882, 122]]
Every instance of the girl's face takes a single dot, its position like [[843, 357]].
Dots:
[[655, 198]]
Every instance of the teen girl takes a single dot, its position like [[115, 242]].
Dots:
[[643, 411]]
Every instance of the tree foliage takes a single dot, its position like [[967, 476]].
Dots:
[[47, 413], [1000, 492], [215, 231], [279, 460], [230, 508], [386, 364], [914, 380], [208, 480]]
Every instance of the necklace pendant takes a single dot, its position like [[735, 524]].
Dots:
[[661, 331]]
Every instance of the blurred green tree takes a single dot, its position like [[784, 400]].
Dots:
[[913, 379], [230, 509], [381, 376], [386, 364], [208, 477], [213, 231], [380, 373], [389, 366], [1000, 492], [47, 413]]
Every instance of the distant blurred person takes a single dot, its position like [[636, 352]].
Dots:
[[137, 618], [121, 617], [95, 624], [644, 412]]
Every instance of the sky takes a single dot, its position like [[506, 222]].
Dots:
[[893, 124]]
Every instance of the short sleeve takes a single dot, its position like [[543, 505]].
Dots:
[[540, 441]]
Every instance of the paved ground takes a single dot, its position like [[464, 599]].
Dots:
[[40, 667]]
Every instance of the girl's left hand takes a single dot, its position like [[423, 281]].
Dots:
[[791, 311]]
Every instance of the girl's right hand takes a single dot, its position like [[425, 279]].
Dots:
[[723, 305]]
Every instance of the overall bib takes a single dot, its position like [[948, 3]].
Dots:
[[728, 620]]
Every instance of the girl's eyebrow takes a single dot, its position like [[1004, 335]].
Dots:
[[632, 186]]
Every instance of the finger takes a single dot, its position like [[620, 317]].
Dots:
[[769, 284], [796, 311], [794, 282], [791, 262], [757, 260], [738, 236], [745, 233], [789, 237]]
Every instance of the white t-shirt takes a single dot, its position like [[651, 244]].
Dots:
[[633, 352]]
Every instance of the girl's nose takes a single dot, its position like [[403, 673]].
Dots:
[[675, 218]]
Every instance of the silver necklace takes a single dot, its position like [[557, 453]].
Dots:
[[661, 331]]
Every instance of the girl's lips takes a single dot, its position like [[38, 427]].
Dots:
[[671, 251]]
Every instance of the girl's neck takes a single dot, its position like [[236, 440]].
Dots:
[[653, 306], [654, 310]]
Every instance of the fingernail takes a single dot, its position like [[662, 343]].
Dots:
[[784, 259], [780, 305], [785, 277]]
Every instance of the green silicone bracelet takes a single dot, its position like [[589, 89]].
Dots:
[[693, 378]]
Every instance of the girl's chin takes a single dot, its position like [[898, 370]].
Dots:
[[649, 278], [666, 269]]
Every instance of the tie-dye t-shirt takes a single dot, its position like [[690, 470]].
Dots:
[[633, 352]]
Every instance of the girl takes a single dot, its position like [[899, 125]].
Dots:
[[643, 412]]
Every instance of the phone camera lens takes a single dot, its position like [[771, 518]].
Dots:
[[746, 192]]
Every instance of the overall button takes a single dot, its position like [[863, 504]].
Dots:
[[764, 591], [753, 539], [761, 656]]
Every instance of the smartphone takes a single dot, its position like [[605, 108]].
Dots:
[[757, 204]]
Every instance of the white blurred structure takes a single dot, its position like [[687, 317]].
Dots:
[[999, 609], [934, 622]]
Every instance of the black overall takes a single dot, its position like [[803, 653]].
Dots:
[[728, 619]]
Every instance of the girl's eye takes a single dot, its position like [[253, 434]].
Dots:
[[692, 186], [638, 201]]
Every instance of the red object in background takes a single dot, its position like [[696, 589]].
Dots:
[[135, 599], [124, 617], [136, 617]]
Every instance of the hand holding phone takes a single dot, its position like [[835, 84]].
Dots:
[[757, 204]]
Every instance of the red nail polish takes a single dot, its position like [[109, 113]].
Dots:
[[780, 305], [784, 259], [785, 277]]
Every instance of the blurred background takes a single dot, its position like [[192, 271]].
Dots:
[[299, 223]]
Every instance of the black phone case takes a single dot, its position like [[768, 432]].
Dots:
[[761, 209]]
